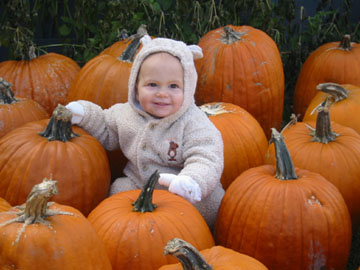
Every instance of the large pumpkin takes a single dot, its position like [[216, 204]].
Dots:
[[284, 217], [346, 107], [45, 79], [215, 258], [245, 143], [15, 111], [336, 62], [242, 66], [44, 235], [118, 47], [330, 149], [135, 226], [104, 79], [47, 148]]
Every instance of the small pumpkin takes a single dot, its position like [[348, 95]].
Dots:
[[135, 226], [15, 111], [336, 62], [346, 104], [45, 79], [47, 235], [285, 217], [242, 65], [215, 258], [54, 147], [245, 143]]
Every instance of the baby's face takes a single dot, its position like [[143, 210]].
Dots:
[[160, 85]]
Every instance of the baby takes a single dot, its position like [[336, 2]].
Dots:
[[161, 128]]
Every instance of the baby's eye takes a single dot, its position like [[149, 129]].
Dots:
[[174, 85], [152, 84]]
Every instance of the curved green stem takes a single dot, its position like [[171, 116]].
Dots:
[[6, 93], [144, 202], [285, 169], [59, 127], [189, 256], [323, 132]]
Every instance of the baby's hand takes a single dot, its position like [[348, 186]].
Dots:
[[77, 111], [166, 178], [186, 187]]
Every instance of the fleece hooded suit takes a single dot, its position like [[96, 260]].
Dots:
[[183, 143]]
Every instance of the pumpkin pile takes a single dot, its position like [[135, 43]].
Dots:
[[293, 204]]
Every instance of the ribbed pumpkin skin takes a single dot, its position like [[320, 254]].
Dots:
[[288, 224], [4, 205], [328, 63], [103, 80], [45, 79], [221, 258], [136, 240], [245, 143], [69, 242], [248, 73], [343, 112], [18, 113], [116, 48], [338, 161], [80, 166]]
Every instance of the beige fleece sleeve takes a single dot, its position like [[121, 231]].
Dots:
[[204, 154], [101, 124]]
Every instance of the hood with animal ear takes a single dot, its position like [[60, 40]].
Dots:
[[186, 54]]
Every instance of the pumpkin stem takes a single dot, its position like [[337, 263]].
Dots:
[[129, 53], [59, 127], [323, 133], [284, 166], [189, 256], [335, 90], [230, 35], [293, 121], [345, 43], [36, 207], [144, 202], [6, 93], [214, 109]]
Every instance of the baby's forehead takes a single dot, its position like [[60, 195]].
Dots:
[[161, 54]]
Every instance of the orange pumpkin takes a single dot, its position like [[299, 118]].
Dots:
[[245, 143], [346, 106], [104, 79], [331, 150], [216, 258], [284, 217], [15, 111], [336, 62], [43, 235], [50, 147], [242, 66], [135, 226], [45, 79], [117, 48], [4, 205]]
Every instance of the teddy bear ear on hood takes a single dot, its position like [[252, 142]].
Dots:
[[196, 51]]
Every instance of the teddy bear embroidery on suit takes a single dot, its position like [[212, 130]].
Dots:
[[172, 150]]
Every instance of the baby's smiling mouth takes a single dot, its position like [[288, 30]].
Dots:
[[160, 104]]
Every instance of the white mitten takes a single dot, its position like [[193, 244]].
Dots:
[[77, 111], [186, 187], [166, 178]]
